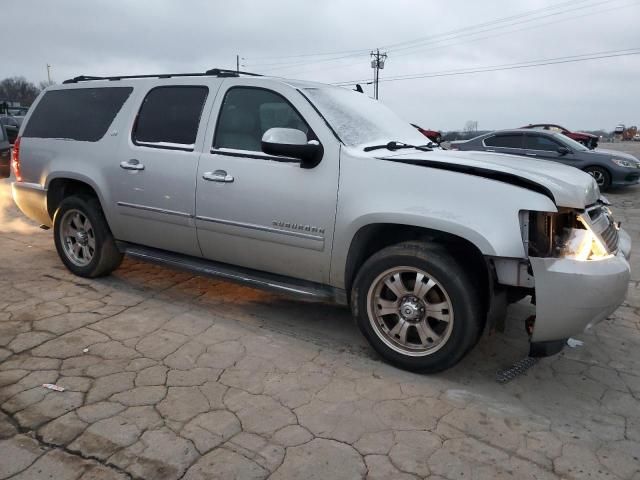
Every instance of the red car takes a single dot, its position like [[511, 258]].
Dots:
[[432, 135], [587, 139]]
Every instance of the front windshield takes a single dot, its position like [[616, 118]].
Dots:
[[360, 120], [570, 143]]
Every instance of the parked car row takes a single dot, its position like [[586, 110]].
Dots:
[[609, 168], [587, 139]]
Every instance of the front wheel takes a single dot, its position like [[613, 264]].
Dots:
[[83, 239], [601, 176], [417, 306]]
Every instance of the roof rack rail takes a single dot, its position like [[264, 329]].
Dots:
[[214, 72]]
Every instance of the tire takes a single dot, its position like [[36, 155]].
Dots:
[[86, 249], [453, 299], [601, 175]]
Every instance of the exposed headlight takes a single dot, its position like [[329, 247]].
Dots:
[[583, 244], [625, 163]]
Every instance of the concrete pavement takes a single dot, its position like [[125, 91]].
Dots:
[[171, 376]]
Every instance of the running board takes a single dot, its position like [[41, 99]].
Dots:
[[244, 276]]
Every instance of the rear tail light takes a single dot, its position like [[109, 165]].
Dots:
[[15, 160]]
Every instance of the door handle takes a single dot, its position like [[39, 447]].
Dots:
[[532, 154], [218, 176], [132, 164]]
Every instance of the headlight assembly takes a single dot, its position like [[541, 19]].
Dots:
[[582, 244], [625, 163]]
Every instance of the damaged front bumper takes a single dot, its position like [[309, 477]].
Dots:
[[572, 295]]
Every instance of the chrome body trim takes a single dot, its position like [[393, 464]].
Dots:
[[155, 209], [261, 228]]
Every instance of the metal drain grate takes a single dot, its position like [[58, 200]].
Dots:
[[518, 368]]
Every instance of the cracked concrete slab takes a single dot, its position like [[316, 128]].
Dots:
[[171, 376]]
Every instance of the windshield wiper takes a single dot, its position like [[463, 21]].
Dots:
[[398, 145]]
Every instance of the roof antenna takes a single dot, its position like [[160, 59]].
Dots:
[[359, 88]]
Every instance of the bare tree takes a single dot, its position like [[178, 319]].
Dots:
[[18, 89], [471, 126]]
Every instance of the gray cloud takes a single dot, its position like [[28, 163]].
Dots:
[[103, 37]]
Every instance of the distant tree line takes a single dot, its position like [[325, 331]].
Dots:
[[19, 89]]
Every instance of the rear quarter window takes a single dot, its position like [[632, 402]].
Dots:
[[169, 117], [82, 114], [504, 141]]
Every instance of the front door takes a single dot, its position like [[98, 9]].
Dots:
[[154, 174], [259, 211], [545, 148]]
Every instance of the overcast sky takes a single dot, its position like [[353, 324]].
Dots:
[[108, 37]]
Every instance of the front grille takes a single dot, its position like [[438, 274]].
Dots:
[[603, 225], [610, 237]]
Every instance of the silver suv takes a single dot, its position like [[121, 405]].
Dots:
[[319, 191]]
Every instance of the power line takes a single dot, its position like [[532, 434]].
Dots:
[[511, 66], [494, 22], [407, 44], [360, 51], [453, 37], [575, 17], [441, 47], [508, 21], [420, 44]]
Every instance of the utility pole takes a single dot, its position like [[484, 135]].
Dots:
[[377, 63], [49, 73], [238, 63]]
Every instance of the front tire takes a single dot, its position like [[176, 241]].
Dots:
[[601, 175], [83, 239], [417, 307]]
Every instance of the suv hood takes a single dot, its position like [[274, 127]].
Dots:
[[567, 186]]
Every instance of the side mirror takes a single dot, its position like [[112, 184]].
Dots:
[[563, 150], [290, 142]]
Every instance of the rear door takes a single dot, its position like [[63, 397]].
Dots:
[[256, 210], [155, 171], [505, 143]]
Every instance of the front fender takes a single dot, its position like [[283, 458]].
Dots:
[[483, 211]]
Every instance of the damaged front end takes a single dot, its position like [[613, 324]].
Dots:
[[577, 272]]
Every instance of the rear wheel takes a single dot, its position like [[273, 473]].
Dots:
[[417, 306], [83, 239], [601, 176]]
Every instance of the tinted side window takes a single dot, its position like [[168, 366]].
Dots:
[[247, 113], [82, 114], [538, 142], [169, 117], [504, 141]]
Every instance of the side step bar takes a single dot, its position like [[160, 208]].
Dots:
[[245, 276]]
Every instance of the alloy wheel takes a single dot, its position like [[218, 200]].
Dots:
[[77, 237], [410, 311]]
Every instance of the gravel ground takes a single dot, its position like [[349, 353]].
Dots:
[[172, 376]]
